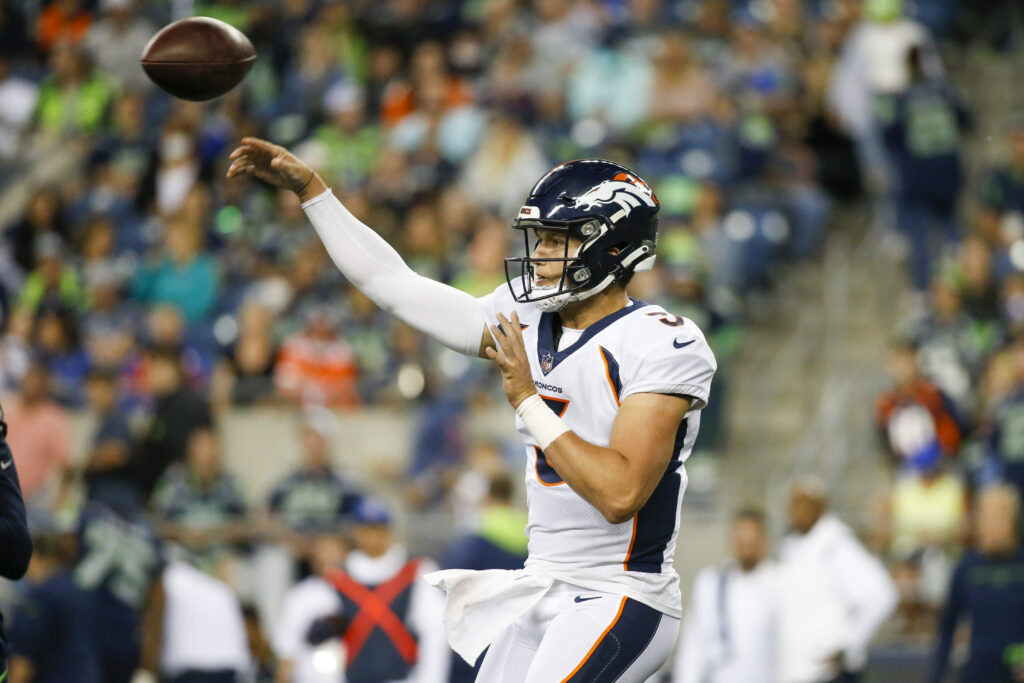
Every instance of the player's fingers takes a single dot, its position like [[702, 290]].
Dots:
[[497, 335]]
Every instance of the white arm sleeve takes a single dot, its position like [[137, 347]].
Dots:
[[444, 313]]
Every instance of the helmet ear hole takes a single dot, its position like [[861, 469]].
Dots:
[[616, 248]]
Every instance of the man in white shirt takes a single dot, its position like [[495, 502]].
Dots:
[[204, 631], [729, 635], [834, 593], [313, 598]]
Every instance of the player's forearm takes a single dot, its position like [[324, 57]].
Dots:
[[444, 313], [602, 476]]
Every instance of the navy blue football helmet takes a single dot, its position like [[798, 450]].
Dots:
[[608, 208]]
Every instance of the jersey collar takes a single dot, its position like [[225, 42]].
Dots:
[[549, 358]]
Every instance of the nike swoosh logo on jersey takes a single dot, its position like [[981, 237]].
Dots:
[[5, 465], [675, 343], [580, 598]]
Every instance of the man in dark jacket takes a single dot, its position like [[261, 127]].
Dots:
[[987, 590], [15, 543]]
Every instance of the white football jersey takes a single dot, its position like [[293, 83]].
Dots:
[[638, 349]]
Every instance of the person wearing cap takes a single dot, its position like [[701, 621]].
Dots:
[[391, 621], [834, 594], [15, 542]]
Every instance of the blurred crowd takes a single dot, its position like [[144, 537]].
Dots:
[[140, 288]]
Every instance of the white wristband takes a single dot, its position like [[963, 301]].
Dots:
[[540, 420]]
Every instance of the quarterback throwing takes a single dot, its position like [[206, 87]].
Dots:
[[607, 392]]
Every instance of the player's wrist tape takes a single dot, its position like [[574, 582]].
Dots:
[[542, 422]]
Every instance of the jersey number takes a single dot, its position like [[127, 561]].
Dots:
[[668, 319]]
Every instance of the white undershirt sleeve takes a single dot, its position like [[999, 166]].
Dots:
[[444, 313]]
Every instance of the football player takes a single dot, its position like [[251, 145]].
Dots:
[[607, 392]]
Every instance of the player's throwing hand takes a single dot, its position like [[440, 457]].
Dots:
[[273, 164], [511, 358]]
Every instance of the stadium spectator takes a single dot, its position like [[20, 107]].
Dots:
[[988, 591], [924, 135], [75, 99], [380, 578], [116, 40], [1002, 189], [184, 276], [112, 439], [199, 502], [119, 563], [44, 215], [1003, 449], [54, 635], [54, 282], [871, 68], [14, 534], [17, 104], [314, 498], [499, 542], [911, 393], [178, 412], [245, 374], [928, 507], [731, 630], [62, 21], [311, 599], [42, 439], [59, 348], [15, 358], [317, 366], [834, 594], [953, 346]]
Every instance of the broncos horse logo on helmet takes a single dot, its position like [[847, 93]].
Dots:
[[608, 208]]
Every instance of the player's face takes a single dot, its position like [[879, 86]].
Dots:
[[551, 244]]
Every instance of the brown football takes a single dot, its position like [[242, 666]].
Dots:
[[198, 58]]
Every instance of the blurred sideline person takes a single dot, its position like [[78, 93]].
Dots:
[[15, 543], [53, 638], [313, 598], [120, 559], [988, 591], [623, 385], [499, 541], [731, 632], [834, 594], [391, 621], [204, 636]]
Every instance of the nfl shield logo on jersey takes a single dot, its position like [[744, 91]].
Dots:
[[547, 362]]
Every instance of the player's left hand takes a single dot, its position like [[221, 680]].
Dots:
[[511, 359]]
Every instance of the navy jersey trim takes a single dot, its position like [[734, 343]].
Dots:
[[656, 521], [620, 645], [611, 367], [546, 337]]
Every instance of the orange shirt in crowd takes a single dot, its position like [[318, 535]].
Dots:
[[924, 393], [56, 24], [318, 371]]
